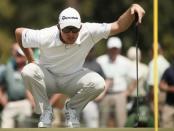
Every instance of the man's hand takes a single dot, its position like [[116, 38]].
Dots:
[[137, 9], [127, 18]]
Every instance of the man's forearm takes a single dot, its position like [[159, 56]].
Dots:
[[29, 54], [126, 20], [170, 89], [27, 51], [123, 22]]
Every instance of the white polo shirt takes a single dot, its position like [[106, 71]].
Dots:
[[59, 58], [117, 70]]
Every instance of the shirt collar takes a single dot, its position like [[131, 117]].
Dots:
[[78, 40]]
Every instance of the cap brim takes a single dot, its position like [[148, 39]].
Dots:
[[74, 24]]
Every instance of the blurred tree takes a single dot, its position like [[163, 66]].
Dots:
[[166, 32], [6, 9], [44, 13], [6, 13]]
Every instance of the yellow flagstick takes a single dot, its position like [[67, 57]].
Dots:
[[155, 37]]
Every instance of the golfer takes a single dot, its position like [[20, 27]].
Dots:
[[63, 49]]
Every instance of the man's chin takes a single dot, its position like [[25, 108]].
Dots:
[[71, 42]]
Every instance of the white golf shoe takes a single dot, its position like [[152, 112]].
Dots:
[[46, 119], [71, 117]]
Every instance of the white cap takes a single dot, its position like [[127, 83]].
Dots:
[[20, 51], [114, 42], [131, 53], [16, 48], [69, 17]]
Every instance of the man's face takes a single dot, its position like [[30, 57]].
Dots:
[[69, 34], [113, 52]]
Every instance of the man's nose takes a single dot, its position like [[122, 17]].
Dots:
[[71, 34]]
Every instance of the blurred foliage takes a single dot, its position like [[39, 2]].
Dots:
[[166, 29], [44, 13]]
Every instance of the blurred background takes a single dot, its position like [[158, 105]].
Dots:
[[44, 13], [39, 14]]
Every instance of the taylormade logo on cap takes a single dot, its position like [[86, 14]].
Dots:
[[64, 17], [69, 17]]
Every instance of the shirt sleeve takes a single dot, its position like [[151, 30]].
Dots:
[[35, 38], [99, 31]]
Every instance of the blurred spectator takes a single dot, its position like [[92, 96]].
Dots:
[[116, 68], [163, 64], [16, 106], [167, 85], [142, 76]]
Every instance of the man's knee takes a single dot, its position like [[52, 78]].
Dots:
[[30, 70], [99, 84]]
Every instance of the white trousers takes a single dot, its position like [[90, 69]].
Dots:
[[81, 87], [119, 100], [21, 108]]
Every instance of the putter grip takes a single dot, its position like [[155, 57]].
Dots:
[[136, 18]]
